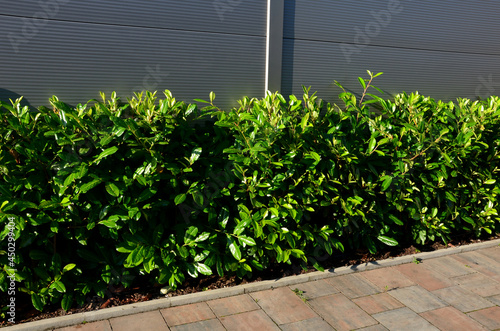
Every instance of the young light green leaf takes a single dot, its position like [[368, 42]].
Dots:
[[68, 267], [180, 198], [371, 145], [362, 82]]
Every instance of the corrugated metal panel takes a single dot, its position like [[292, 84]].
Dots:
[[447, 25], [77, 60], [441, 75], [236, 16], [444, 49]]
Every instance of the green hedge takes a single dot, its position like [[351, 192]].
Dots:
[[107, 191]]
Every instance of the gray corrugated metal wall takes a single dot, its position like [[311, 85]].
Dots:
[[444, 49], [74, 49]]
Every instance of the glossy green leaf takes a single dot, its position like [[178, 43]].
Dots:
[[235, 250], [112, 189], [107, 152], [246, 240], [203, 269], [386, 183], [37, 301], [388, 241], [59, 286], [180, 198]]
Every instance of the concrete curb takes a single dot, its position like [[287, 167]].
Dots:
[[103, 314]]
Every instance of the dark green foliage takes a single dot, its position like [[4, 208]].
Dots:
[[107, 191]]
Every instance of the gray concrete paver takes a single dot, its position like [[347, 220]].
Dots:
[[151, 320], [378, 303], [378, 327], [314, 289], [495, 299], [403, 319], [462, 299], [206, 325], [249, 321], [283, 305], [492, 252], [387, 278], [316, 323], [448, 267], [341, 313], [417, 298], [479, 284], [353, 286], [480, 263]]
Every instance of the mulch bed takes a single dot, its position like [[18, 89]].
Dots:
[[144, 291]]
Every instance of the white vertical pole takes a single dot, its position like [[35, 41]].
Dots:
[[274, 44]]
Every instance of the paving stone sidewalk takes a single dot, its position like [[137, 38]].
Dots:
[[457, 291]]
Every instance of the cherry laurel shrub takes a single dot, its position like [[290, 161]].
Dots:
[[106, 192]]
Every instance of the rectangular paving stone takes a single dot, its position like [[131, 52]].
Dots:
[[387, 278], [283, 305], [377, 303], [480, 263], [378, 327], [353, 286], [451, 319], [194, 312], [403, 319], [424, 276], [94, 326], [249, 321], [489, 317], [417, 299], [341, 313], [318, 288], [448, 266], [479, 284], [151, 320], [462, 299], [492, 253], [316, 323], [233, 305], [206, 325], [495, 299]]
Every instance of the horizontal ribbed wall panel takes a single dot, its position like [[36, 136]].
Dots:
[[441, 75], [447, 25], [77, 60], [444, 49], [223, 16]]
